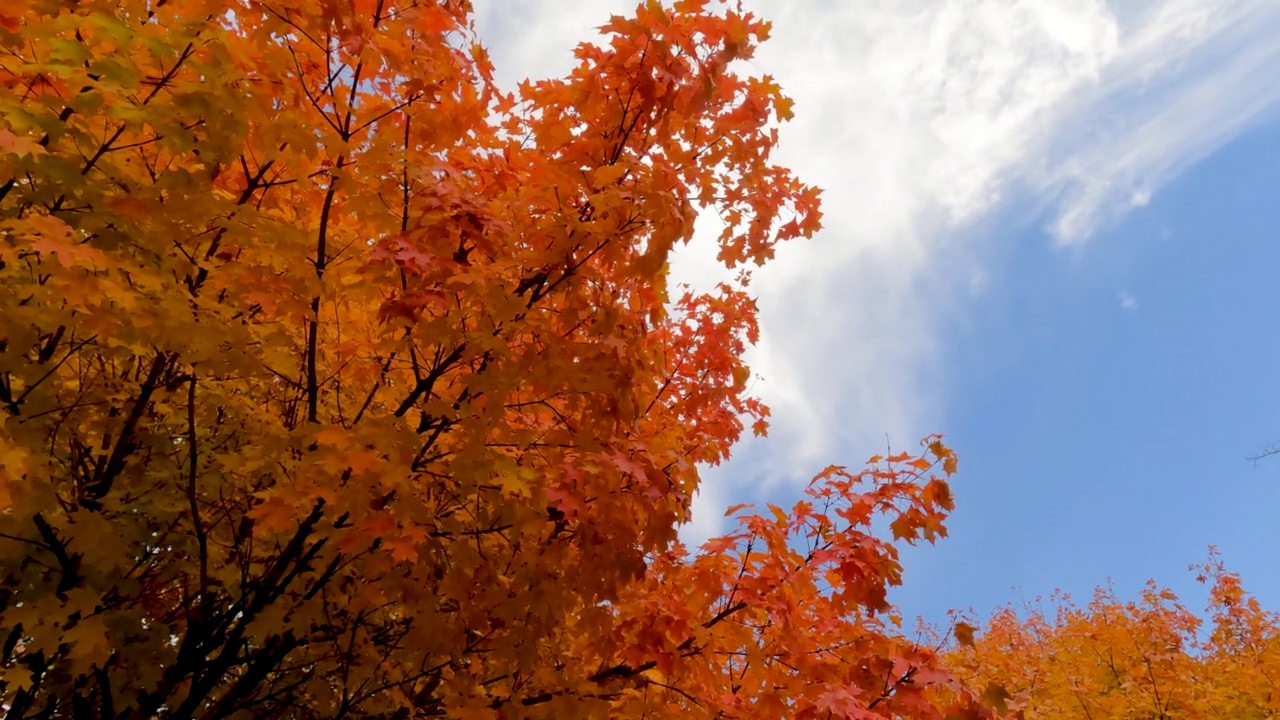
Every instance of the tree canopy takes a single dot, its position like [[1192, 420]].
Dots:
[[338, 382], [1150, 657]]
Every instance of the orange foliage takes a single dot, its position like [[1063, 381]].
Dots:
[[338, 383], [1149, 658]]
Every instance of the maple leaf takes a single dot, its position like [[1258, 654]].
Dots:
[[16, 144], [17, 677], [272, 515], [920, 464], [997, 697], [608, 175], [129, 206], [90, 641]]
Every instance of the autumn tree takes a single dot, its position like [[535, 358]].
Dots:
[[339, 383], [1146, 658]]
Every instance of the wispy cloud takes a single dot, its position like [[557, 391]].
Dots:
[[1187, 76], [920, 119], [1127, 301]]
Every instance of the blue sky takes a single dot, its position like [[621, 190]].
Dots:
[[1051, 233], [1103, 439]]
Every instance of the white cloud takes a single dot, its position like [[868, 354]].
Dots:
[[1188, 76], [535, 38], [1127, 301], [918, 117]]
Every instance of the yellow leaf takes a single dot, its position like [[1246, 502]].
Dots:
[[17, 677], [996, 696], [90, 645], [333, 436], [608, 175]]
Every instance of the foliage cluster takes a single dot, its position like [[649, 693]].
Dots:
[[1147, 658], [339, 383]]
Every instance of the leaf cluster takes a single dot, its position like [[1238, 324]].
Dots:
[[337, 382]]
